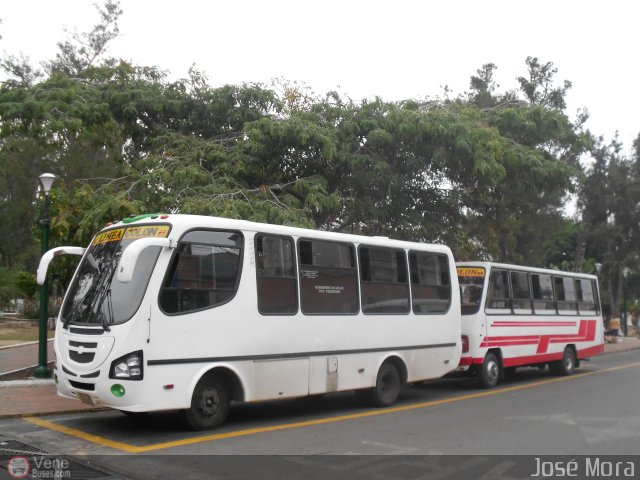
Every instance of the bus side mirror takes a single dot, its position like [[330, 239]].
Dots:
[[48, 256], [130, 255]]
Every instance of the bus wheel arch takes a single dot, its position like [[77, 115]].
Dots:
[[211, 398], [397, 362], [390, 376]]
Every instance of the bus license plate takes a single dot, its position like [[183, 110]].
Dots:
[[84, 398]]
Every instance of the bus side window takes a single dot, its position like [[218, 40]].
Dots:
[[328, 277], [498, 298], [204, 272], [276, 277], [521, 292], [543, 300], [586, 297], [430, 282], [383, 280], [567, 295]]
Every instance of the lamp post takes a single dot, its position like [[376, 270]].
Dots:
[[42, 370], [625, 272]]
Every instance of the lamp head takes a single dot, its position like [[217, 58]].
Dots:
[[46, 179]]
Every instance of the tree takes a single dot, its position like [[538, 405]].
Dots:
[[514, 218], [539, 87], [81, 51], [611, 185]]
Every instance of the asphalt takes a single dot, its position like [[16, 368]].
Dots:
[[35, 397]]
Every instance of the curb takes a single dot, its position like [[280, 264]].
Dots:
[[630, 349], [57, 412], [36, 382], [19, 374]]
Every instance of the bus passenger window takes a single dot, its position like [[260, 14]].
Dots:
[[383, 280], [567, 295], [586, 297], [276, 277], [430, 282], [328, 278], [204, 272], [498, 297], [521, 293], [543, 300]]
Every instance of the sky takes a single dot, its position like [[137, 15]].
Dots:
[[395, 49]]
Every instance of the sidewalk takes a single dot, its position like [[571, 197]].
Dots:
[[625, 343], [38, 397], [20, 398]]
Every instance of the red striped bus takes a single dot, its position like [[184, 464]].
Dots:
[[515, 316]]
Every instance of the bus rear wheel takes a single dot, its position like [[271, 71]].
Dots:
[[209, 404], [387, 389], [567, 365], [489, 374]]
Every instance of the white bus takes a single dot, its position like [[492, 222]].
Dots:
[[515, 316], [194, 313]]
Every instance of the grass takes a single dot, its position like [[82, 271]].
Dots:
[[20, 331]]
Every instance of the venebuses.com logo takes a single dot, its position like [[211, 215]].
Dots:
[[38, 467], [18, 467]]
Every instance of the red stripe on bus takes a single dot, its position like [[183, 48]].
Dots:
[[586, 333], [587, 328]]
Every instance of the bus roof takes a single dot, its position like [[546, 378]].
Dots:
[[489, 265], [183, 222]]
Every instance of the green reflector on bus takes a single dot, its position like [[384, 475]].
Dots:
[[137, 218], [117, 390]]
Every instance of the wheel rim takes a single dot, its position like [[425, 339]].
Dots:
[[568, 361], [209, 402], [492, 370]]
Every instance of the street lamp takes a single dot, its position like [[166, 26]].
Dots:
[[42, 370], [625, 272]]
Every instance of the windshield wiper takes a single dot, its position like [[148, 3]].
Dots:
[[77, 310], [105, 292]]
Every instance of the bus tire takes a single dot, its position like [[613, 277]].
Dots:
[[489, 371], [566, 366], [387, 388], [209, 404]]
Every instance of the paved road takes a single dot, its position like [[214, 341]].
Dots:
[[596, 412], [23, 356]]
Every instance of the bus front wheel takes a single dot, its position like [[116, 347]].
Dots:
[[489, 371], [209, 404]]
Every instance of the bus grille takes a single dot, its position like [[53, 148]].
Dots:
[[83, 386], [84, 357]]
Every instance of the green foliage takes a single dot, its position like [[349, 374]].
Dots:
[[487, 173], [15, 284]]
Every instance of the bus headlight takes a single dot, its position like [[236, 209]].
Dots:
[[128, 367]]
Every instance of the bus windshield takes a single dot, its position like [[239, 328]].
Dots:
[[96, 296], [471, 280]]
